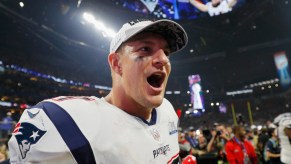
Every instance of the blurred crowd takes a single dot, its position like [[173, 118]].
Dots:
[[223, 144], [19, 87], [7, 125]]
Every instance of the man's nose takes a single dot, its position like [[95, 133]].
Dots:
[[160, 59]]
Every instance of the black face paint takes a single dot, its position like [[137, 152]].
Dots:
[[140, 58]]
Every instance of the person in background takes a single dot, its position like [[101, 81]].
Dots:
[[201, 148], [184, 145], [262, 140], [238, 149], [255, 139], [7, 125], [224, 133], [250, 136], [185, 150], [272, 148], [192, 137], [217, 142], [3, 153], [229, 131], [215, 7]]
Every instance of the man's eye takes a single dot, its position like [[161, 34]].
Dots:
[[167, 53], [146, 49]]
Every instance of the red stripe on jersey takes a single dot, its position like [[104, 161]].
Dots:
[[16, 129], [173, 158]]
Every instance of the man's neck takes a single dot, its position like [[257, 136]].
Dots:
[[130, 108]]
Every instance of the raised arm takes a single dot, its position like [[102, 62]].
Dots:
[[200, 6], [211, 142], [232, 3]]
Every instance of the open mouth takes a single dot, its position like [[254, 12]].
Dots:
[[156, 79]]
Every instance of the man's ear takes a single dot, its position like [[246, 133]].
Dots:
[[115, 63]]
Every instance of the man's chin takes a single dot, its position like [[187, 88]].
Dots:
[[156, 101]]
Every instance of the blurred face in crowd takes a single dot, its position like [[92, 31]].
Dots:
[[229, 130], [141, 69], [221, 128], [241, 132], [201, 139], [192, 133], [249, 134], [181, 137]]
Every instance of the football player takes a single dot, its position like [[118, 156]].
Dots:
[[133, 124]]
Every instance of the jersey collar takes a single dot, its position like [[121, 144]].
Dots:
[[153, 120]]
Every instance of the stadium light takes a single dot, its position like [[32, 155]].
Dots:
[[99, 25], [89, 17], [21, 4], [110, 32], [168, 92], [259, 127], [198, 132], [79, 3]]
